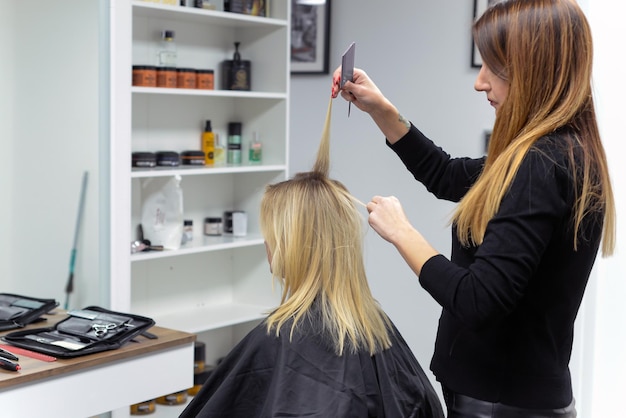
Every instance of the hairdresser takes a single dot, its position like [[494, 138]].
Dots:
[[531, 216]]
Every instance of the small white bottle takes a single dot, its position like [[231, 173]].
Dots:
[[220, 150], [166, 57]]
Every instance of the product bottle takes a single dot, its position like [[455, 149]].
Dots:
[[187, 231], [233, 155], [236, 72], [220, 151], [208, 144], [166, 57], [256, 151]]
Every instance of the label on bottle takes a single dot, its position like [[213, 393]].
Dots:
[[255, 153], [167, 59], [208, 146], [233, 156]]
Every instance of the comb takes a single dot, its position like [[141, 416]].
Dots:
[[27, 353]]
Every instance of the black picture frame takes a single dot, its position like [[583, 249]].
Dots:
[[479, 8], [310, 36]]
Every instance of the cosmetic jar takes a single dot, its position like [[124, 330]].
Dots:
[[186, 78], [176, 398], [198, 380], [167, 159], [193, 157], [144, 76], [144, 159], [240, 223], [213, 226], [143, 408], [166, 77], [205, 79], [199, 357]]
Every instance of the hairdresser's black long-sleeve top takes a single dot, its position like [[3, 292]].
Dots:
[[509, 305]]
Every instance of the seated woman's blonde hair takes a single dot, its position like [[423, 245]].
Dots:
[[314, 232]]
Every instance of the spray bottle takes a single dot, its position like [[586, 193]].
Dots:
[[208, 144]]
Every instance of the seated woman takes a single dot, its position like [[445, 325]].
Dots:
[[328, 350]]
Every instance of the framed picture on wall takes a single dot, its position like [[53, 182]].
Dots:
[[479, 8], [310, 36]]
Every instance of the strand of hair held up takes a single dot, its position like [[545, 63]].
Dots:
[[322, 162]]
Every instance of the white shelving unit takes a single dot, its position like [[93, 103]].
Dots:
[[215, 287]]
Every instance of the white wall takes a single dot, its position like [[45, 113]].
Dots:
[[607, 366], [418, 53], [6, 135], [50, 137]]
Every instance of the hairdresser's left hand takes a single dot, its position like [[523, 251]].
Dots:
[[388, 219]]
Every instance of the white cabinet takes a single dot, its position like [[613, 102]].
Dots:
[[216, 287]]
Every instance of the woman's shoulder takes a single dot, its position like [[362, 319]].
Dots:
[[557, 151], [558, 144]]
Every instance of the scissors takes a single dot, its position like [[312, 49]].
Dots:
[[101, 329]]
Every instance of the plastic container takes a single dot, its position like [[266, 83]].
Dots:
[[186, 78], [143, 159], [144, 76], [198, 380], [213, 226], [176, 398], [143, 408], [193, 157], [205, 79], [167, 159], [167, 77]]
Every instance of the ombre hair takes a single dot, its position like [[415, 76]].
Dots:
[[543, 49], [314, 232]]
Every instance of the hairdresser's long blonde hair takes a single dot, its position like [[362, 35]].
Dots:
[[314, 232], [543, 48]]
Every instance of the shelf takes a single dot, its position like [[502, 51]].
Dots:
[[209, 93], [207, 244], [195, 171], [216, 287], [213, 17], [201, 319]]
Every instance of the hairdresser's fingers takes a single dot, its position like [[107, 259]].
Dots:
[[372, 203], [386, 216], [336, 83]]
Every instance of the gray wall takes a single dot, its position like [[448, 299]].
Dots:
[[418, 53]]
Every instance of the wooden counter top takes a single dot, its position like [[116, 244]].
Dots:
[[37, 370]]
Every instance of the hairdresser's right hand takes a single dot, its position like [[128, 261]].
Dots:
[[366, 96], [362, 91]]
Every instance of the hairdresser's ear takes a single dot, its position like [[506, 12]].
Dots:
[[269, 255]]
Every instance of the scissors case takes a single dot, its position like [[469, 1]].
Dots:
[[86, 331], [17, 311]]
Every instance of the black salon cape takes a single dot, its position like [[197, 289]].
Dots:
[[268, 376]]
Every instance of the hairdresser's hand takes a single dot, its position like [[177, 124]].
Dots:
[[388, 219], [362, 91], [364, 94]]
